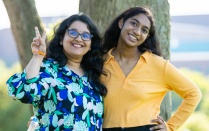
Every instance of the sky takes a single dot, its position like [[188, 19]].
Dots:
[[68, 7]]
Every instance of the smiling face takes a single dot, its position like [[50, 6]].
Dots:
[[76, 48], [134, 30]]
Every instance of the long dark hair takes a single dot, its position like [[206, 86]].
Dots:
[[92, 62], [111, 35]]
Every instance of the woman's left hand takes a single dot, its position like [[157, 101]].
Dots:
[[160, 124]]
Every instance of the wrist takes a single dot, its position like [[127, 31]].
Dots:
[[38, 52], [38, 57]]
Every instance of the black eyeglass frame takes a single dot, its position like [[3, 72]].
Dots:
[[79, 34]]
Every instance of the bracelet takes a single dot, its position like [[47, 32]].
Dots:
[[39, 52]]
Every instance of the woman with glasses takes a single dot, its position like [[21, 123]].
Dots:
[[139, 77], [62, 82]]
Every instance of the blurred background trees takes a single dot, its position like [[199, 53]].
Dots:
[[24, 17], [13, 114]]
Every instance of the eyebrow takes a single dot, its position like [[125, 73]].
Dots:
[[72, 29], [77, 30], [139, 22]]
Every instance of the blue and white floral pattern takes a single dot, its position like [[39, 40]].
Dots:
[[62, 100]]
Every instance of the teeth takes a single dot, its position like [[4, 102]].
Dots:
[[133, 37], [76, 45]]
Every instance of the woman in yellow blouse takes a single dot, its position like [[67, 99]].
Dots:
[[138, 77]]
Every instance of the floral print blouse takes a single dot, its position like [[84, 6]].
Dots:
[[62, 100]]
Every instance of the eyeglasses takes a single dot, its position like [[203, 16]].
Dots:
[[84, 36]]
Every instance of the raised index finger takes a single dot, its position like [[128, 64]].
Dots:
[[37, 32]]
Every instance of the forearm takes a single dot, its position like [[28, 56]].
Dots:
[[185, 110], [185, 88], [33, 67]]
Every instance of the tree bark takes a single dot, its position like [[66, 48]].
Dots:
[[23, 18], [103, 11]]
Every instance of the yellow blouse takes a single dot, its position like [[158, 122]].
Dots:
[[135, 100]]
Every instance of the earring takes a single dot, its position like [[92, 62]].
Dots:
[[60, 42]]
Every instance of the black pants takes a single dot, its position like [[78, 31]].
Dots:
[[138, 128]]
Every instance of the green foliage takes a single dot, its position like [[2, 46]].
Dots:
[[14, 114], [197, 122], [205, 106], [51, 28]]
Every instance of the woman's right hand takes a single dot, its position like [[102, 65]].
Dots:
[[38, 44], [38, 47]]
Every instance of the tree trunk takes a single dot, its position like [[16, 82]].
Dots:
[[23, 17], [103, 12]]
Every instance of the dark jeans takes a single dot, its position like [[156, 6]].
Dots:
[[138, 128]]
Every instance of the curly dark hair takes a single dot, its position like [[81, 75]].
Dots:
[[111, 35], [92, 62]]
